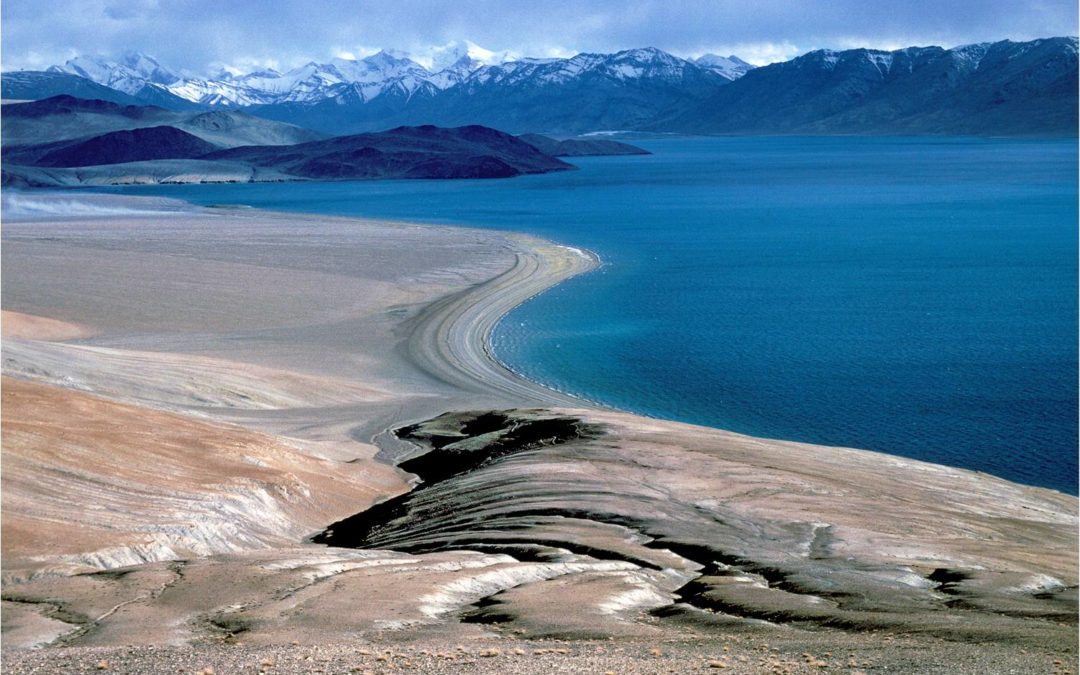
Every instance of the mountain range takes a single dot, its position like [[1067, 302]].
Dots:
[[1001, 88], [1010, 88], [384, 73]]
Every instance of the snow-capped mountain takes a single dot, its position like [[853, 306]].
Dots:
[[363, 80], [625, 66], [382, 71], [452, 63], [459, 82], [130, 74], [465, 56], [586, 92], [360, 79], [731, 67]]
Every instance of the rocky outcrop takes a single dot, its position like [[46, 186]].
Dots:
[[740, 528]]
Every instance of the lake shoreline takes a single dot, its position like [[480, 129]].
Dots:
[[873, 293], [451, 339], [256, 355]]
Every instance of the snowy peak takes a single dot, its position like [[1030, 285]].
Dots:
[[133, 72], [625, 67], [730, 67], [646, 57], [388, 63], [365, 78], [148, 67], [872, 63], [92, 68], [969, 56], [465, 56], [825, 59], [266, 74], [375, 74], [646, 62], [644, 54], [379, 67], [453, 63]]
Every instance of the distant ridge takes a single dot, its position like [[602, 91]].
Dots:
[[66, 117], [580, 147], [33, 85], [1006, 88], [65, 105]]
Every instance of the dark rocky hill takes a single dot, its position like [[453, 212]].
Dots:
[[404, 152], [117, 147]]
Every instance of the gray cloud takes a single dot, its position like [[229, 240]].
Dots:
[[194, 34]]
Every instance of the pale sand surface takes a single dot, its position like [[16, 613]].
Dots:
[[16, 325], [91, 484], [196, 391]]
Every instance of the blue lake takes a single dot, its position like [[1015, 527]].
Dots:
[[913, 296]]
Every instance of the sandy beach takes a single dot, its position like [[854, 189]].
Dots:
[[192, 396]]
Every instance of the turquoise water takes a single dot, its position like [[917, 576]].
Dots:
[[913, 296]]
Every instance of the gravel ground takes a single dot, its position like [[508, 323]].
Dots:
[[852, 654]]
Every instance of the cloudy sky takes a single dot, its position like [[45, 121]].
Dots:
[[201, 35]]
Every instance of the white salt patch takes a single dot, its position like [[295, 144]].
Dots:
[[644, 595], [396, 624], [328, 570], [17, 205], [468, 590], [1038, 583], [331, 557], [246, 517], [458, 565], [904, 576]]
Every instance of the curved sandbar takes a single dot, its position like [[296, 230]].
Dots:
[[451, 339]]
